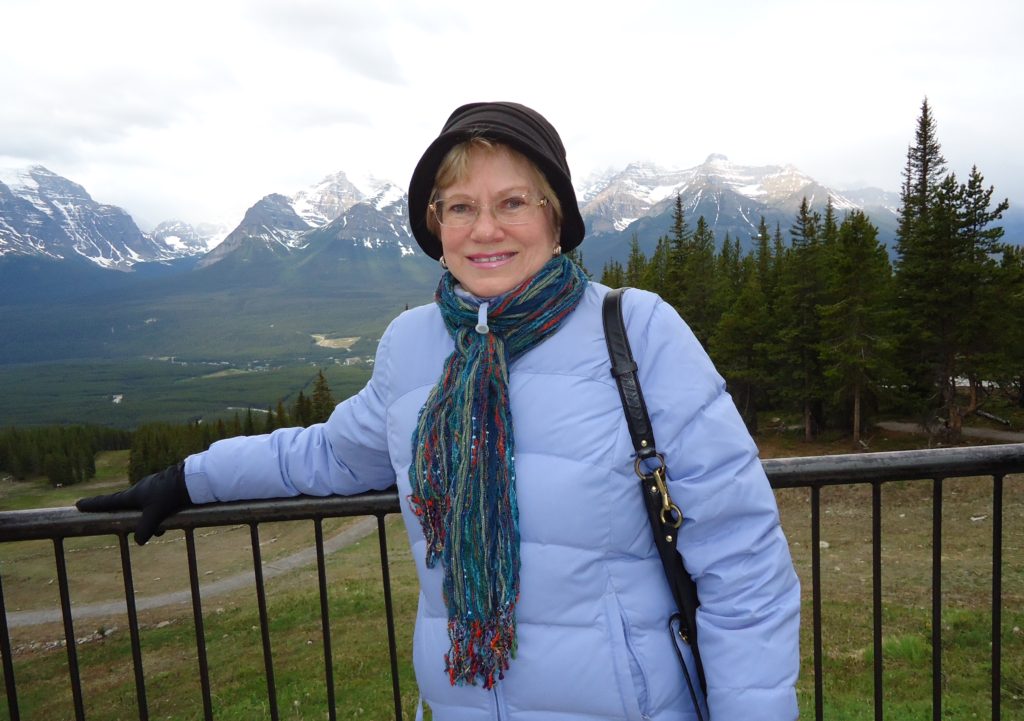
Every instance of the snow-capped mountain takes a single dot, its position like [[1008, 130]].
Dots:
[[613, 202], [335, 194], [42, 213], [188, 240], [367, 214], [271, 225]]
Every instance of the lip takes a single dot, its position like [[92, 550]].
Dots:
[[491, 260]]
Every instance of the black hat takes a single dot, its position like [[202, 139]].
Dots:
[[514, 125]]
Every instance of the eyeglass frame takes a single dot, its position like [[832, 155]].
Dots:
[[541, 202]]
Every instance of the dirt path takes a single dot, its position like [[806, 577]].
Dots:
[[306, 557], [990, 434]]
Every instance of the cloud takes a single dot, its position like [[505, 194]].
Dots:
[[357, 36]]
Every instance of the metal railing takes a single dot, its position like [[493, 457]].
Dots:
[[814, 473]]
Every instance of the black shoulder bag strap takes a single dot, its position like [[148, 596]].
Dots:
[[664, 516]]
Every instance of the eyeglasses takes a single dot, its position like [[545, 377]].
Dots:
[[462, 212]]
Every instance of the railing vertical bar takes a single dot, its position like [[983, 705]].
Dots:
[[197, 617], [10, 685], [261, 597], [382, 538], [937, 600], [819, 693], [133, 626], [325, 619], [876, 590], [69, 628], [997, 595]]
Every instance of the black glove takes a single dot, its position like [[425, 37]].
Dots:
[[158, 496]]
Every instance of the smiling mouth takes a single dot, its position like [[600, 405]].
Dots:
[[491, 258]]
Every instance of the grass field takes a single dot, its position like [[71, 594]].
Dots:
[[357, 613]]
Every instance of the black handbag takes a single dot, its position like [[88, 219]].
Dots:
[[664, 516]]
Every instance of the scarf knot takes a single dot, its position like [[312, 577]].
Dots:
[[463, 469]]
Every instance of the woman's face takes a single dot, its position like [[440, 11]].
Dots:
[[489, 258]]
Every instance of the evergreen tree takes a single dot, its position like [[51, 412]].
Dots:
[[1008, 370], [739, 346], [655, 278], [947, 273], [613, 275], [249, 425], [918, 263], [576, 256], [322, 401], [678, 259], [282, 415], [856, 335], [728, 276], [697, 298], [800, 377], [636, 265], [302, 412]]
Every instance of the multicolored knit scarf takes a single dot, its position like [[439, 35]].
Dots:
[[463, 470]]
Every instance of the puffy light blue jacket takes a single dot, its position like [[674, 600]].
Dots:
[[594, 604]]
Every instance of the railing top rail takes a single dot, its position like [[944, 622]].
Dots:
[[68, 521], [48, 523], [896, 465]]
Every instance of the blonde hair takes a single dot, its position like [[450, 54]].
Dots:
[[455, 167]]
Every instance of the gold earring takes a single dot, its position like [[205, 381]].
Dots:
[[444, 264], [558, 251]]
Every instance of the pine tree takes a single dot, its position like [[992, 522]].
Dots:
[[697, 299], [302, 412], [613, 275], [946, 274], [739, 346], [636, 264], [800, 377], [856, 335], [655, 278], [678, 259], [322, 401], [576, 256]]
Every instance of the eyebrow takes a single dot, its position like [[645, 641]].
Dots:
[[501, 193]]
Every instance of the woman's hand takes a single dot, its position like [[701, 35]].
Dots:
[[158, 496]]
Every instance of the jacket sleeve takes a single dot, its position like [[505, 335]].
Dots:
[[731, 539], [347, 454]]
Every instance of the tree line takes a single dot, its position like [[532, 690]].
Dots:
[[819, 322], [66, 454]]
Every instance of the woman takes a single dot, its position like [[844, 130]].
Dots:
[[542, 595]]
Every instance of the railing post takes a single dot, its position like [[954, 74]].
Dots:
[[197, 617], [5, 650], [937, 600], [133, 627], [390, 612], [325, 621], [261, 598], [69, 628], [997, 595], [819, 701], [876, 576]]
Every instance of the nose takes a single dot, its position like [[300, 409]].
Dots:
[[486, 226]]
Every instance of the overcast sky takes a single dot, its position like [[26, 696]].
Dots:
[[195, 109]]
